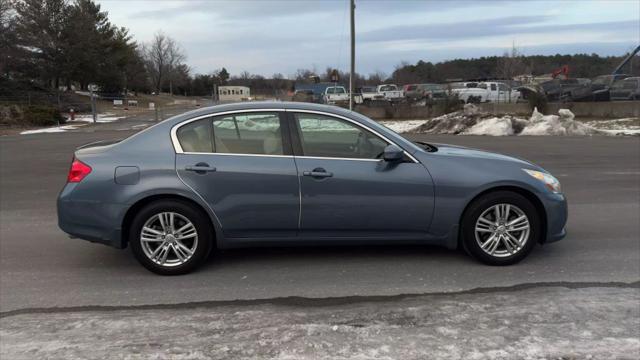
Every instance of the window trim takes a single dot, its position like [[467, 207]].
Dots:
[[293, 131], [296, 136]]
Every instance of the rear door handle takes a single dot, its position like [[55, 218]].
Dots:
[[200, 168], [317, 173]]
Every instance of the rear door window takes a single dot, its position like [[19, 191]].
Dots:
[[248, 133]]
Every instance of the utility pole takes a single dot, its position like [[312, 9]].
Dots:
[[353, 53]]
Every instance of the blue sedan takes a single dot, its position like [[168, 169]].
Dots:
[[278, 173]]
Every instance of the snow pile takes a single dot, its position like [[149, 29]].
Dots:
[[470, 121], [496, 126], [561, 124]]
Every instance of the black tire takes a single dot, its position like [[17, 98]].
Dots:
[[199, 220], [479, 206]]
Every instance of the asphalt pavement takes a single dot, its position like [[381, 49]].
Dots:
[[42, 269]]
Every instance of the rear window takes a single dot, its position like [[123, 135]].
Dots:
[[336, 90], [196, 136], [248, 133]]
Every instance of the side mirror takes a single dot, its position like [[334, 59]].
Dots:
[[393, 153]]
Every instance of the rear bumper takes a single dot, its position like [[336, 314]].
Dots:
[[90, 220], [557, 214]]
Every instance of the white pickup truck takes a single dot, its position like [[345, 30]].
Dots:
[[391, 92], [479, 92], [335, 95]]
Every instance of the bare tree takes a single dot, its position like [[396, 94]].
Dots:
[[377, 78], [511, 64], [163, 57]]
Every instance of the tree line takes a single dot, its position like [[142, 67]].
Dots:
[[509, 65], [64, 44]]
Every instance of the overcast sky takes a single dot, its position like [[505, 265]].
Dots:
[[266, 37]]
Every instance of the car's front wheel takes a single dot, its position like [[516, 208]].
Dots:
[[170, 237], [501, 228]]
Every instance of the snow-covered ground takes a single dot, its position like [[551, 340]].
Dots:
[[471, 121], [78, 121], [535, 323]]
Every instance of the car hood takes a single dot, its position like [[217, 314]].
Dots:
[[454, 150]]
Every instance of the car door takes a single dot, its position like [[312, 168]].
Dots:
[[347, 191], [241, 164]]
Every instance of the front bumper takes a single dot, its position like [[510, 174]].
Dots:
[[557, 214]]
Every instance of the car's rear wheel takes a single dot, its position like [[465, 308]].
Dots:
[[501, 228], [170, 237]]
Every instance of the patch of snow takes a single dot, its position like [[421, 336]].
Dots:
[[622, 131], [102, 118], [624, 126], [55, 129]]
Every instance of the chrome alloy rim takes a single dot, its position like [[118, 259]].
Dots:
[[169, 239], [502, 230]]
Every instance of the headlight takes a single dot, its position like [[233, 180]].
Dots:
[[549, 181]]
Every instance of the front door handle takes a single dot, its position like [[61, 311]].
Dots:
[[317, 173], [201, 168]]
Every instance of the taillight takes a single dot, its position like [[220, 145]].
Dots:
[[78, 171]]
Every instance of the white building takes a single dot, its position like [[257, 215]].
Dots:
[[233, 93]]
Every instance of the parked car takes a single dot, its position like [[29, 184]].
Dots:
[[627, 89], [390, 92], [369, 95], [486, 92], [424, 92], [303, 96], [601, 84], [575, 89], [287, 173], [550, 89], [335, 95]]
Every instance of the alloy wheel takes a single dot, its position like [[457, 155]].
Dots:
[[502, 230], [168, 239]]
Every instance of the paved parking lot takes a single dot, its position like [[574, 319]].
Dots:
[[578, 298], [41, 267]]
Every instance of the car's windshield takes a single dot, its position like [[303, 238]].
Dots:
[[388, 88]]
